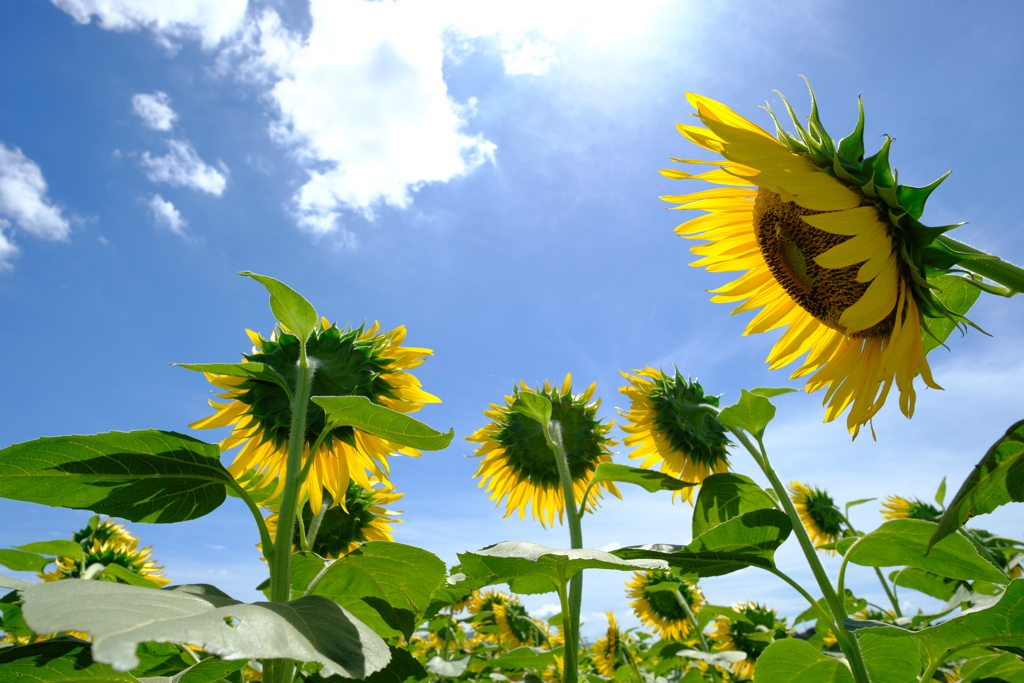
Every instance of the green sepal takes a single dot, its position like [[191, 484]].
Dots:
[[851, 148], [913, 198], [820, 138], [880, 174]]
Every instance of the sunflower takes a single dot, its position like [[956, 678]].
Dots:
[[449, 636], [518, 465], [349, 362], [518, 628], [612, 651], [661, 609], [895, 507], [664, 426], [345, 527], [832, 247], [484, 604], [818, 513], [751, 637], [107, 543]]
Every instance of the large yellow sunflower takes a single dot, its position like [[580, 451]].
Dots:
[[661, 609], [749, 636], [349, 362], [612, 651], [518, 628], [664, 427], [818, 513], [832, 248], [486, 603], [518, 465], [345, 527]]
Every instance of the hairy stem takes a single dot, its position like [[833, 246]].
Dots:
[[986, 265], [570, 619]]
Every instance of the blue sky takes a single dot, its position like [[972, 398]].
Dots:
[[485, 174]]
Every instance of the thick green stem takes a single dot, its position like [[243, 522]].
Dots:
[[822, 612], [992, 267], [281, 563], [570, 619], [847, 642], [693, 619], [892, 596], [266, 543]]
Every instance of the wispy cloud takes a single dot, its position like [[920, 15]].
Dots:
[[182, 167], [23, 200], [155, 110], [166, 215]]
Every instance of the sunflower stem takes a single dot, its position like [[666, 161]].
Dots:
[[987, 265], [891, 594], [281, 671], [553, 431], [314, 527], [692, 617], [266, 542], [847, 642]]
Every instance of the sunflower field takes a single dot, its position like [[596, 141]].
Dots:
[[829, 246]]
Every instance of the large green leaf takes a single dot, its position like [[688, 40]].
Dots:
[[794, 661], [748, 540], [527, 658], [889, 659], [20, 561], [119, 617], [61, 548], [211, 670], [939, 587], [145, 476], [726, 495], [1005, 667], [60, 660], [396, 427], [388, 585], [400, 669], [958, 295], [648, 479], [752, 413], [904, 542], [288, 306], [996, 480], [534, 568], [257, 371]]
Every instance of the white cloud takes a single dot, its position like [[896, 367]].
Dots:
[[167, 215], [210, 21], [183, 167], [7, 248], [23, 197], [155, 110]]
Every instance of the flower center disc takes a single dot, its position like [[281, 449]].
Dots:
[[789, 246]]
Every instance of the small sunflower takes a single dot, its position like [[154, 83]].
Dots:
[[518, 465], [661, 609], [349, 362], [763, 629], [107, 543], [818, 513], [518, 628], [832, 247], [345, 527], [895, 507], [612, 651], [665, 428], [486, 603]]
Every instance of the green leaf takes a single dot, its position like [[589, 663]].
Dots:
[[59, 660], [938, 587], [889, 659], [60, 548], [534, 406], [396, 427], [904, 542], [160, 659], [144, 476], [257, 371], [288, 306], [940, 494], [648, 479], [749, 540], [388, 585], [857, 502], [958, 295], [996, 480], [23, 562], [723, 659], [527, 658], [752, 413], [532, 568], [726, 495], [128, 576], [1005, 667], [401, 668], [119, 617], [207, 671], [448, 669], [771, 392], [794, 661]]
